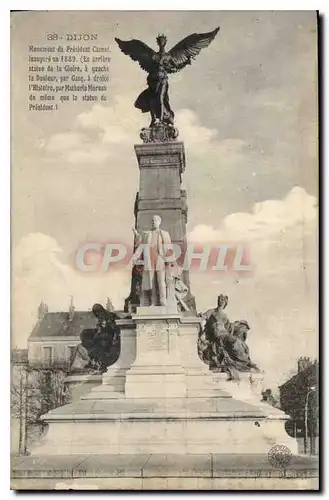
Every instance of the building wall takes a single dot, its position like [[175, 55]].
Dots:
[[54, 349], [296, 395]]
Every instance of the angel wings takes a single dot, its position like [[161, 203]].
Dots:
[[177, 57], [155, 98]]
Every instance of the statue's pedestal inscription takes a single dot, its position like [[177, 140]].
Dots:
[[157, 370], [157, 340]]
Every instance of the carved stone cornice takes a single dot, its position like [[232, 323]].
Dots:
[[161, 155]]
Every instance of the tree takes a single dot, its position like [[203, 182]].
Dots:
[[18, 392], [48, 390], [35, 390]]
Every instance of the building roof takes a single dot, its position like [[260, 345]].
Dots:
[[58, 324]]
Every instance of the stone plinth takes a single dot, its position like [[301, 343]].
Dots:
[[81, 384], [157, 370], [161, 166], [160, 398], [182, 425], [199, 381], [247, 388], [158, 357], [114, 379]]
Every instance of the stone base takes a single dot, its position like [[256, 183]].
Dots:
[[159, 132], [173, 425], [159, 398], [248, 388], [82, 384], [153, 382], [163, 472]]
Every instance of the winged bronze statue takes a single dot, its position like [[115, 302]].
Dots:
[[155, 99]]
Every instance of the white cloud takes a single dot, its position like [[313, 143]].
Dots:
[[98, 133], [118, 124], [267, 219], [207, 152], [193, 131], [279, 297], [64, 141], [91, 154], [107, 131], [39, 274]]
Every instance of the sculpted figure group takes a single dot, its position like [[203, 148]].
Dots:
[[160, 284], [100, 346], [222, 344]]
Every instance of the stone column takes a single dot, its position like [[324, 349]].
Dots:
[[161, 166]]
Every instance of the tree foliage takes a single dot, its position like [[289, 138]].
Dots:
[[35, 390]]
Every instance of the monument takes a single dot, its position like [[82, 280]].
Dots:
[[176, 385], [161, 158]]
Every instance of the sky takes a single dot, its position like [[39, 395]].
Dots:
[[246, 110]]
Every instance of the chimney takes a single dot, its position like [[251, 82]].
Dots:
[[303, 363], [42, 309], [71, 309]]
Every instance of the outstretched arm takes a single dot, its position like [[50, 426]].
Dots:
[[137, 236]]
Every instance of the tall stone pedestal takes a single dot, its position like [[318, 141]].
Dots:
[[161, 166], [159, 398]]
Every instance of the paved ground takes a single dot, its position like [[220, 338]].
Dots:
[[152, 466]]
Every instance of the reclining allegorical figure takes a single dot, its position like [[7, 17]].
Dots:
[[222, 344]]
